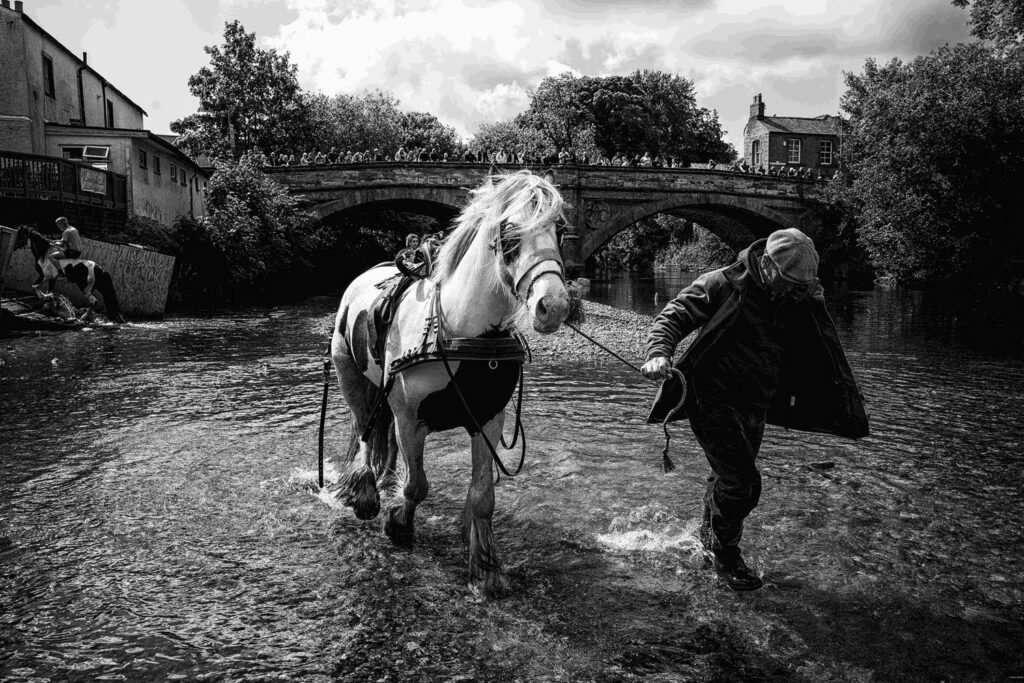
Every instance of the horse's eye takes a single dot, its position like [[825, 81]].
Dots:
[[511, 247]]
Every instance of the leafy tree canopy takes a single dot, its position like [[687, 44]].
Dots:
[[645, 112], [248, 98], [510, 136], [1001, 21], [934, 152]]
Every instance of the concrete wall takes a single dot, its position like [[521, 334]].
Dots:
[[151, 194], [156, 195], [141, 278], [18, 132], [23, 91]]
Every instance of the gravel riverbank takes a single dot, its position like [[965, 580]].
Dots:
[[624, 332]]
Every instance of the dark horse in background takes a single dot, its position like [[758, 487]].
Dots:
[[82, 272]]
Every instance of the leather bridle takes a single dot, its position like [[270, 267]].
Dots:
[[548, 255]]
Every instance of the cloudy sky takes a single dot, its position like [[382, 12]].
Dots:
[[474, 61]]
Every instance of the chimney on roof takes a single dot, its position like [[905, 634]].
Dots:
[[17, 6], [757, 108], [6, 4], [85, 57]]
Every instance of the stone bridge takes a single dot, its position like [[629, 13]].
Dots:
[[601, 200]]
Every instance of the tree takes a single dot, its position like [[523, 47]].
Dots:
[[253, 237], [934, 151], [1001, 21], [558, 110], [645, 112], [249, 98], [420, 129], [509, 135]]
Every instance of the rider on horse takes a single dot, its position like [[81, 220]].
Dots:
[[69, 246]]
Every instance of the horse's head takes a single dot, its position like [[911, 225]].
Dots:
[[529, 248], [506, 234], [37, 243]]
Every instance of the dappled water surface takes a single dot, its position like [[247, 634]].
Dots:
[[157, 521]]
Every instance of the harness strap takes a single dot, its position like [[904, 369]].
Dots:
[[465, 404], [539, 257]]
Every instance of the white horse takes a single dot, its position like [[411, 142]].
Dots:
[[500, 269]]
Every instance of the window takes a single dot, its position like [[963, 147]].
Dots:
[[110, 114], [96, 156], [183, 180], [174, 173], [143, 163], [825, 154], [793, 151], [755, 152], [48, 76], [156, 164]]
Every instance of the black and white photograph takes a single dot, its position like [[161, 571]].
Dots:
[[480, 341]]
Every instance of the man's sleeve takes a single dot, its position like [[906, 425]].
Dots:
[[691, 308]]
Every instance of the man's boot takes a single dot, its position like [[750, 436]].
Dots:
[[733, 571]]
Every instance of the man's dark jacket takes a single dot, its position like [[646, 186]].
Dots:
[[816, 391]]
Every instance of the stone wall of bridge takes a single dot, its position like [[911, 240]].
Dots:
[[601, 200]]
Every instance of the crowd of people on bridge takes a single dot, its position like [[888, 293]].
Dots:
[[507, 156]]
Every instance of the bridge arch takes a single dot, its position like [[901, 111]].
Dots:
[[435, 202], [736, 220]]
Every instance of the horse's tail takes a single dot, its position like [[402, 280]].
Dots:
[[105, 286], [378, 431]]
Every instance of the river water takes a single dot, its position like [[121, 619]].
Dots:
[[158, 519]]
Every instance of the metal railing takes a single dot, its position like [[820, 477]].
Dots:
[[33, 176]]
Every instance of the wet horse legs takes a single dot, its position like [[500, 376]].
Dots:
[[399, 521], [485, 574]]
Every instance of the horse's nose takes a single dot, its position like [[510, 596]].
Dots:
[[550, 312]]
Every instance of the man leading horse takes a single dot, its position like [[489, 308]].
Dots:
[[767, 351]]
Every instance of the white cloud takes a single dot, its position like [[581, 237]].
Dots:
[[473, 61]]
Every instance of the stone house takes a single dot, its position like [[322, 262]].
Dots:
[[61, 120], [792, 141]]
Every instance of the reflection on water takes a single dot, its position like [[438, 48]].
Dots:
[[155, 520]]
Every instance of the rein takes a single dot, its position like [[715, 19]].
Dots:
[[666, 462]]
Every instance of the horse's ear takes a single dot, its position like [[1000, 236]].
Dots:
[[549, 175]]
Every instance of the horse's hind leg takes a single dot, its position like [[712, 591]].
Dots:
[[359, 488], [485, 574], [399, 520]]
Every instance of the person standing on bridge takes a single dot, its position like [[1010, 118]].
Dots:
[[766, 351], [69, 245]]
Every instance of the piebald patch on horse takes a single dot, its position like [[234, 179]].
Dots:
[[498, 271], [86, 274]]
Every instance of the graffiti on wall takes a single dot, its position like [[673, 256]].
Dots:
[[141, 277]]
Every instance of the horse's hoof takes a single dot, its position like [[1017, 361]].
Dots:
[[361, 493], [397, 529], [489, 585]]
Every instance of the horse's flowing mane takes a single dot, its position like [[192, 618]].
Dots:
[[521, 201]]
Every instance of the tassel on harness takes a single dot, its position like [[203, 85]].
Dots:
[[666, 462]]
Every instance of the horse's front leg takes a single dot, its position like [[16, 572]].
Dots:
[[43, 288], [485, 574], [87, 290], [410, 435]]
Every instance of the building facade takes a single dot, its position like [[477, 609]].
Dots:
[[54, 105], [791, 141]]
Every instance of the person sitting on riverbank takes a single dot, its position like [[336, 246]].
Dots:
[[69, 246], [766, 351]]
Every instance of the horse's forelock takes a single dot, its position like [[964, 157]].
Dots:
[[519, 201]]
